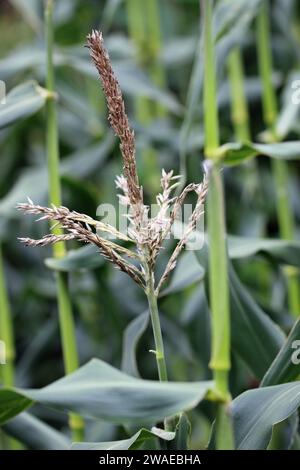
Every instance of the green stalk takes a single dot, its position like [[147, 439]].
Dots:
[[66, 320], [6, 330], [239, 107], [142, 16], [280, 168], [6, 335], [218, 270], [157, 333], [156, 70], [219, 296]]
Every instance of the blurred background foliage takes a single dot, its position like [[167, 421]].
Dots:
[[156, 54]]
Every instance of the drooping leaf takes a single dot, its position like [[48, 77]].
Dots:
[[98, 390], [22, 102], [35, 434], [236, 153], [134, 442], [256, 411], [86, 257], [283, 251]]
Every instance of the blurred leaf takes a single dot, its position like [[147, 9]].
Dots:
[[289, 112], [266, 407], [255, 337], [286, 252], [132, 443], [235, 153], [231, 17], [283, 369], [187, 272], [98, 390], [87, 257], [31, 11], [35, 434], [133, 333], [182, 434], [22, 102], [33, 182]]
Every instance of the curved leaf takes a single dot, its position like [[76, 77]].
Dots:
[[87, 257], [283, 369], [132, 335], [98, 390], [236, 153], [35, 434], [256, 411], [134, 442], [21, 102], [286, 252]]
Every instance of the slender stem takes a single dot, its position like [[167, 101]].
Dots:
[[218, 281], [159, 345], [219, 293], [66, 320], [279, 168], [6, 330], [157, 334], [239, 107]]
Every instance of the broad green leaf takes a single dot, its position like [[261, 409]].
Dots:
[[22, 102], [283, 369], [134, 442], [35, 434], [256, 411], [87, 257], [286, 252], [132, 335], [236, 153], [98, 390]]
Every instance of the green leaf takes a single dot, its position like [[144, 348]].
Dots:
[[256, 411], [132, 335], [33, 182], [98, 390], [182, 434], [236, 153], [187, 272], [283, 369], [231, 16], [134, 442], [255, 337], [286, 252], [87, 257], [22, 102], [35, 434]]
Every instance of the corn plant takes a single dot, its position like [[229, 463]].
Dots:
[[194, 348]]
